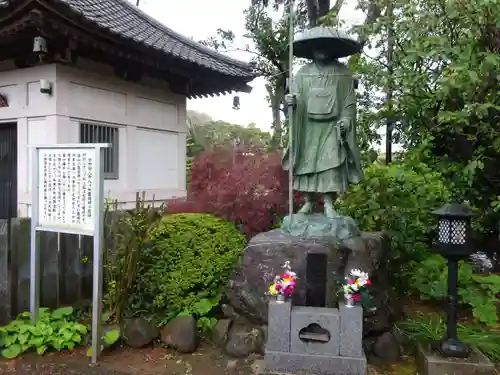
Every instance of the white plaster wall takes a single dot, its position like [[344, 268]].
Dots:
[[34, 113], [151, 121]]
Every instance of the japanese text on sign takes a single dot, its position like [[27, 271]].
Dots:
[[66, 184]]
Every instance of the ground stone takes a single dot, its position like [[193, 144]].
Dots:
[[180, 333], [402, 339], [243, 340], [262, 349], [221, 331], [387, 348], [228, 311], [139, 332]]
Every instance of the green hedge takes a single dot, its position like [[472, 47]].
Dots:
[[190, 259]]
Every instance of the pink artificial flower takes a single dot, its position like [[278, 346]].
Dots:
[[350, 282], [356, 297]]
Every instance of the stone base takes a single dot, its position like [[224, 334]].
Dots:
[[302, 364], [429, 362], [338, 228]]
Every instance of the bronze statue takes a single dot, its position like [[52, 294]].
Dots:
[[325, 156]]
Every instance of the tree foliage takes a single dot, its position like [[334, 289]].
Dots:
[[267, 40], [267, 25], [206, 133], [446, 102]]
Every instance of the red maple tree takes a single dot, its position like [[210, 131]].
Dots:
[[248, 188]]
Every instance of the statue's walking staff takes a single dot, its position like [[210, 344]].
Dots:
[[290, 103]]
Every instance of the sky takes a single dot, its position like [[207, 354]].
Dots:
[[200, 19]]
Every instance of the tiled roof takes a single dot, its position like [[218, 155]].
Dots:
[[122, 18]]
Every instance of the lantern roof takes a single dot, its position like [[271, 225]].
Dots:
[[457, 210]]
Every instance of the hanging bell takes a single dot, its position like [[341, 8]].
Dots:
[[40, 45], [236, 102]]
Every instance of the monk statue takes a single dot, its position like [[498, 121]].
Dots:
[[325, 157]]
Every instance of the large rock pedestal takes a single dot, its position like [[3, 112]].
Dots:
[[266, 253], [263, 259]]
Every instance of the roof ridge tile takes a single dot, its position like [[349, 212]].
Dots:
[[180, 37]]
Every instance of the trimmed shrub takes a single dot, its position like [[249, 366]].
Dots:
[[191, 259], [399, 199]]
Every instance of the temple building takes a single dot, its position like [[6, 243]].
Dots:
[[101, 71]]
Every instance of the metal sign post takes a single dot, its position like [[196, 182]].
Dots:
[[67, 197]]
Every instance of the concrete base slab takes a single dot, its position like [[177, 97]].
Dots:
[[430, 362], [302, 364]]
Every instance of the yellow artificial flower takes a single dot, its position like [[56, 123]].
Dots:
[[272, 290]]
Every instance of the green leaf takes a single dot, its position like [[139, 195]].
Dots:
[[67, 335], [24, 315], [80, 328], [203, 307], [89, 351], [77, 338], [62, 312], [105, 317], [111, 336], [205, 324], [43, 313], [9, 340], [36, 341], [40, 350], [474, 77], [58, 343], [23, 338]]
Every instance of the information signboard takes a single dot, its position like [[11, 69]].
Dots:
[[67, 197], [66, 190]]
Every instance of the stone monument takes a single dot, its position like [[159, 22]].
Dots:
[[324, 156], [323, 247], [324, 159]]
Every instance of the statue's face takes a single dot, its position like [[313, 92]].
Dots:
[[321, 56]]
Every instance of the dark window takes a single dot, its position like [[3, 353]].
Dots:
[[96, 133]]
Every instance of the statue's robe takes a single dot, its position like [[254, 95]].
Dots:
[[324, 159]]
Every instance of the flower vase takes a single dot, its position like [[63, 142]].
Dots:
[[348, 300], [280, 298]]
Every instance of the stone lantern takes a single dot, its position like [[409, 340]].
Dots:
[[454, 244]]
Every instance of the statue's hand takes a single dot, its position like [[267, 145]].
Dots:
[[344, 127], [290, 100]]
